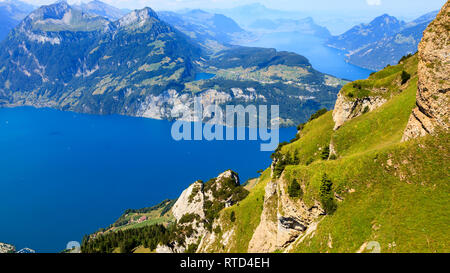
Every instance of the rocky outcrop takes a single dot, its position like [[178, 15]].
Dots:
[[5, 248], [265, 236], [283, 219], [190, 202], [432, 109], [346, 108], [197, 212]]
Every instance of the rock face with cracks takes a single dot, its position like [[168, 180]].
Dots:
[[432, 109], [283, 219], [197, 212]]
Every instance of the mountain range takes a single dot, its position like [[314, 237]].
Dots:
[[381, 42], [62, 57]]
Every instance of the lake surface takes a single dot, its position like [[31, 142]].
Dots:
[[324, 59], [204, 76], [63, 174]]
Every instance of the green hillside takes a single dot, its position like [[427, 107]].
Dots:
[[390, 192]]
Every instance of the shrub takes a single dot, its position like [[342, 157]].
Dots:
[[283, 161], [405, 57], [194, 193], [333, 157], [326, 195], [350, 95], [279, 168], [294, 189], [232, 216], [297, 137], [309, 161], [325, 153], [217, 230], [192, 248], [189, 217], [366, 109], [318, 114], [277, 152], [405, 77]]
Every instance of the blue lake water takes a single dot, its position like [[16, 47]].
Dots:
[[324, 59], [204, 76], [63, 174]]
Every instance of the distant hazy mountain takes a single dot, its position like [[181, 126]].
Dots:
[[11, 13], [139, 65], [384, 41], [247, 14], [102, 9], [213, 31], [364, 34], [305, 26], [427, 18]]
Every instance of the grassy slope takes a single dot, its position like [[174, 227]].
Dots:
[[153, 214], [394, 193]]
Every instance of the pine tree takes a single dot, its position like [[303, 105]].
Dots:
[[326, 195], [294, 189]]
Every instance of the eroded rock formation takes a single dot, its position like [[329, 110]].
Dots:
[[432, 109]]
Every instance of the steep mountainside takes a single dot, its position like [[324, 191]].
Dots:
[[64, 58], [381, 43], [346, 183], [11, 13], [432, 111], [61, 57]]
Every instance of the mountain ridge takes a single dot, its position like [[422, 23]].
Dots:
[[142, 66], [376, 51]]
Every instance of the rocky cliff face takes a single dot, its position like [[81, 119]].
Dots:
[[283, 220], [346, 109], [5, 248], [197, 209], [432, 109]]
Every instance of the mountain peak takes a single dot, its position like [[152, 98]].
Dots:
[[60, 16], [138, 17], [55, 11], [385, 19]]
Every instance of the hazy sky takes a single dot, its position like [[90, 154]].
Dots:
[[394, 7]]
